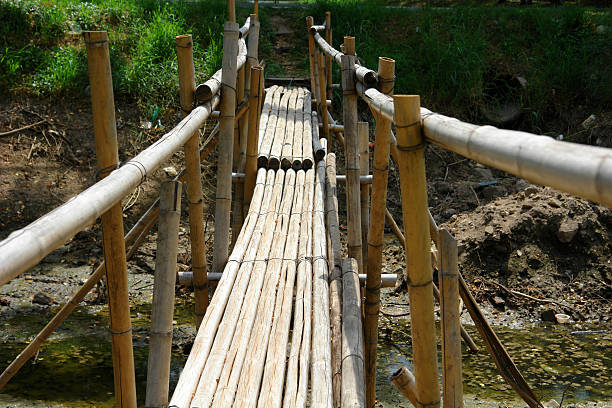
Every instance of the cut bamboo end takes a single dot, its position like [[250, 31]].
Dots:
[[404, 381], [349, 45]]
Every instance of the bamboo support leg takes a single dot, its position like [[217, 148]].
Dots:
[[323, 106], [226, 139], [162, 311], [105, 133], [418, 262]]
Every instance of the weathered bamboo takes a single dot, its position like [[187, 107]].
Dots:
[[405, 383], [418, 263], [287, 146], [190, 376], [230, 374], [252, 53], [352, 159], [322, 91], [256, 7], [353, 381], [280, 131], [311, 54], [364, 170], [321, 375], [298, 128], [328, 60], [250, 377], [452, 384], [266, 99], [319, 153], [184, 51], [231, 11], [269, 131], [378, 212], [253, 135], [162, 309], [307, 154], [334, 255], [223, 199], [105, 133], [296, 384], [239, 157]]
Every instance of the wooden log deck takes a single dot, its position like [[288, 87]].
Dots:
[[267, 323]]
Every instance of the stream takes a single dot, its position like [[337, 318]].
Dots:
[[74, 368]]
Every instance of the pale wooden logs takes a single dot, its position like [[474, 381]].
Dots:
[[223, 199], [252, 371], [253, 135], [321, 375], [162, 308], [192, 371], [268, 137], [418, 262], [287, 144], [319, 152], [226, 330], [334, 254], [353, 381], [296, 385], [280, 131], [298, 129], [363, 143], [452, 384], [378, 212], [274, 371], [105, 133], [322, 91], [307, 154], [352, 160], [184, 51], [404, 381]]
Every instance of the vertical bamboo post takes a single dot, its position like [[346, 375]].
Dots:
[[323, 100], [451, 326], [105, 132], [240, 145], [311, 55], [184, 51], [363, 131], [328, 60], [225, 149], [252, 57], [253, 136], [231, 11], [162, 311], [410, 145], [256, 7], [352, 160], [380, 172]]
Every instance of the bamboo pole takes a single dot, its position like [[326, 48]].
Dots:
[[378, 212], [311, 54], [252, 56], [404, 381], [265, 145], [256, 7], [352, 160], [231, 11], [280, 131], [328, 60], [334, 255], [449, 314], [319, 153], [418, 263], [298, 128], [184, 50], [364, 170], [287, 145], [253, 135], [226, 139], [306, 143], [162, 310], [323, 104], [239, 157], [105, 132], [353, 381], [321, 375]]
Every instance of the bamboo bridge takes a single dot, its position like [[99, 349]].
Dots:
[[293, 319]]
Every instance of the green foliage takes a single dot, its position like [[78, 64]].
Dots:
[[65, 69]]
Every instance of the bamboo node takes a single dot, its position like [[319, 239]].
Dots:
[[105, 171], [114, 333], [420, 285], [374, 289], [411, 148], [429, 404], [351, 355]]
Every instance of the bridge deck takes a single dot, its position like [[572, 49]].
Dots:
[[254, 345]]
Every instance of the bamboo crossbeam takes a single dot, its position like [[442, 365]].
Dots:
[[334, 254], [321, 375], [162, 310], [318, 28]]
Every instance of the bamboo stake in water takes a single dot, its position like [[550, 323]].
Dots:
[[105, 132], [451, 326], [226, 139], [418, 262], [162, 310], [184, 50]]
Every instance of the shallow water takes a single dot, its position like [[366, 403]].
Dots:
[[74, 368]]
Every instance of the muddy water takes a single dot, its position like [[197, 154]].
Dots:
[[74, 369]]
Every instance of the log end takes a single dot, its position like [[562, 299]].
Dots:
[[285, 163], [202, 94], [307, 164], [262, 162], [274, 163]]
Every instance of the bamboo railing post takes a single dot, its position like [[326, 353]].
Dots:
[[256, 7], [352, 160], [451, 326], [226, 139], [105, 132], [328, 60], [404, 381], [231, 11], [162, 310], [411, 166], [323, 101], [253, 136], [378, 213], [311, 55], [363, 141], [239, 158], [184, 50]]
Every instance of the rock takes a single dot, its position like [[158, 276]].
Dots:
[[551, 404], [493, 192], [170, 171], [4, 301], [442, 187], [42, 299], [498, 302], [531, 190], [548, 315], [450, 212], [567, 230], [484, 174]]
